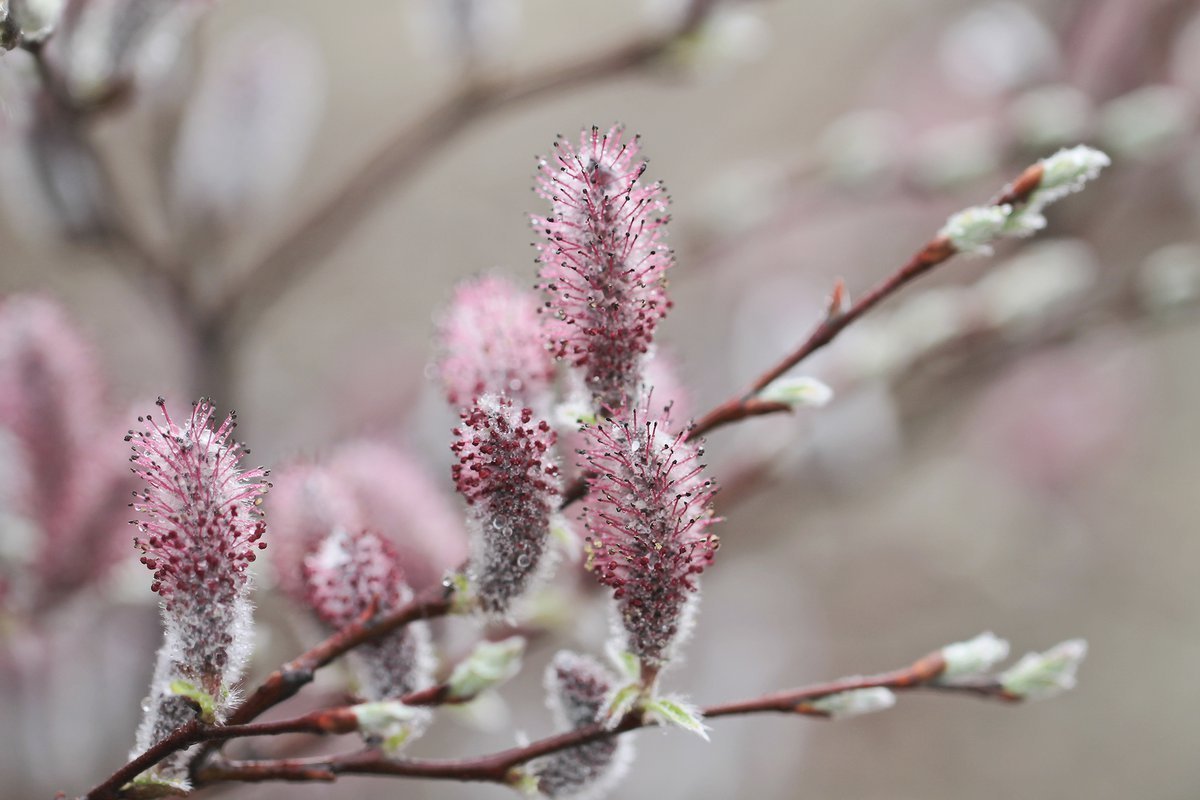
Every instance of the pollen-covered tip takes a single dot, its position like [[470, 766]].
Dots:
[[349, 574], [198, 515], [648, 515], [604, 261], [577, 691], [508, 474], [492, 342]]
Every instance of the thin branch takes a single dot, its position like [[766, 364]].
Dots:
[[325, 721], [936, 251], [292, 676], [320, 231], [499, 767]]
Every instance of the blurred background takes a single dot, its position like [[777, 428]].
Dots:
[[269, 203]]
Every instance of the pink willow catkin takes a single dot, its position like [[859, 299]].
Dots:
[[507, 472], [61, 462], [648, 512], [199, 529], [578, 690], [347, 574], [364, 484], [604, 262], [492, 342]]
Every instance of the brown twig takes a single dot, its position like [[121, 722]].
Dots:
[[499, 767], [325, 721], [292, 676], [936, 251]]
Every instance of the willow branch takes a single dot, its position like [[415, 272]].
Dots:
[[500, 767], [326, 721], [320, 231], [292, 676], [936, 251]]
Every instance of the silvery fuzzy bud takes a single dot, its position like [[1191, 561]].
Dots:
[[972, 657], [577, 690], [1038, 676], [855, 702], [347, 575], [489, 665]]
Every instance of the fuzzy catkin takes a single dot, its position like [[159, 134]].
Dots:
[[604, 262], [648, 513], [199, 528], [508, 474]]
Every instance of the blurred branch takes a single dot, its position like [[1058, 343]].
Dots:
[[322, 229]]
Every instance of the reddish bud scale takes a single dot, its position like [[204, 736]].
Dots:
[[578, 689], [648, 514], [348, 574], [604, 261], [200, 528], [507, 472], [492, 343]]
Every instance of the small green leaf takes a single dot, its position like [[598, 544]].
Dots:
[[679, 714], [524, 782], [801, 391], [622, 702], [462, 600], [148, 786], [488, 666], [208, 706]]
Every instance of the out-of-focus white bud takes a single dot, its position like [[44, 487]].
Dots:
[[973, 229], [28, 21], [1063, 173], [1026, 287], [729, 37], [956, 154], [471, 32], [996, 48], [855, 702], [247, 131], [861, 146], [1038, 676], [1185, 55], [1147, 120], [391, 723], [928, 319], [1170, 276], [1051, 116], [1068, 170], [488, 666], [742, 196], [973, 657], [795, 392], [103, 45]]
